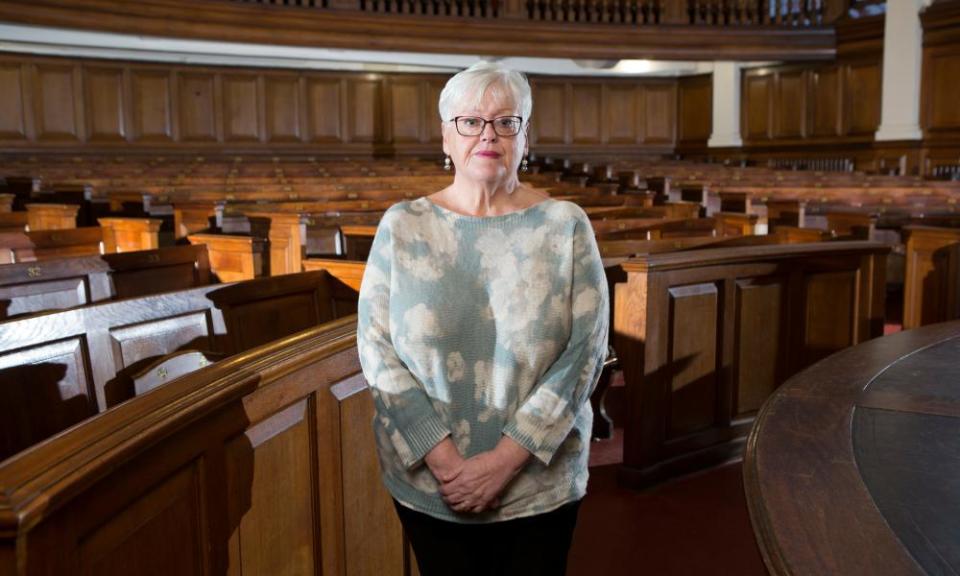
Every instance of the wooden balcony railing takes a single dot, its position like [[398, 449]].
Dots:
[[742, 30], [796, 13]]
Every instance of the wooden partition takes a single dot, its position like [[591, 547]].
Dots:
[[58, 369], [287, 236], [52, 216], [260, 464], [234, 258], [130, 234], [705, 336], [50, 244], [932, 278]]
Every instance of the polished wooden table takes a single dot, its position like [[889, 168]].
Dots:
[[853, 466]]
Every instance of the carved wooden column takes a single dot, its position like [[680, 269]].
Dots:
[[130, 234]]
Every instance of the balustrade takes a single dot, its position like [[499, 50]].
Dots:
[[796, 13]]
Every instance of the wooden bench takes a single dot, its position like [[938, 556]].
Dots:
[[32, 287], [274, 445], [59, 368], [47, 244], [704, 337]]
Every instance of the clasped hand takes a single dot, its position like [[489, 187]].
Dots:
[[474, 484]]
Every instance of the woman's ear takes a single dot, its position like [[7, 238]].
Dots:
[[443, 132]]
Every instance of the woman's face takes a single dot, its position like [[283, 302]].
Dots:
[[487, 157]]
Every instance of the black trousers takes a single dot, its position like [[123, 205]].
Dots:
[[532, 546]]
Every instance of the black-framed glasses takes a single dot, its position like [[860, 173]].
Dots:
[[475, 125]]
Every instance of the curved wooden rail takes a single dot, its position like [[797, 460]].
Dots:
[[814, 507]]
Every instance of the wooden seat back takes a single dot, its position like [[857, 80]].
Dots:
[[31, 287], [146, 272], [55, 284], [59, 368]]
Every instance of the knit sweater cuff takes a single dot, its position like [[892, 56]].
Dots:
[[540, 451], [421, 438]]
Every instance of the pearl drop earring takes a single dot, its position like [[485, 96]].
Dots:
[[446, 163]]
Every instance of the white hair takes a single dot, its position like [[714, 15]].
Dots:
[[483, 78]]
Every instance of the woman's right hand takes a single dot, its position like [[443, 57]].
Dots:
[[444, 461]]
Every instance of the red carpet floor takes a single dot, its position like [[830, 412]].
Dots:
[[696, 525]]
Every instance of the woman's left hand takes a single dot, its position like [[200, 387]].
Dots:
[[484, 476]]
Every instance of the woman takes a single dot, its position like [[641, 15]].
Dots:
[[482, 331]]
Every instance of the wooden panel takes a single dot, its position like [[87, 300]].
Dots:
[[158, 533], [756, 106], [825, 94], [406, 110], [264, 464], [55, 103], [704, 338], [363, 110], [241, 108], [791, 104], [152, 106], [283, 109], [696, 109], [621, 114], [862, 98], [944, 86], [660, 102], [549, 113], [932, 278], [43, 389], [197, 109], [369, 521], [759, 341], [12, 113], [161, 336], [693, 353], [586, 113], [276, 533], [324, 109], [829, 314], [40, 296], [431, 115], [106, 108]]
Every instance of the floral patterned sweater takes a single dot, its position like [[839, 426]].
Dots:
[[476, 327]]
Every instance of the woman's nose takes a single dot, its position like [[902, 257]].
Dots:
[[488, 134]]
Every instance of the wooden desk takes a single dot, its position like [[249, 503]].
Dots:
[[853, 464]]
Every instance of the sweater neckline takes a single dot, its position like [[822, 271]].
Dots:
[[486, 219]]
